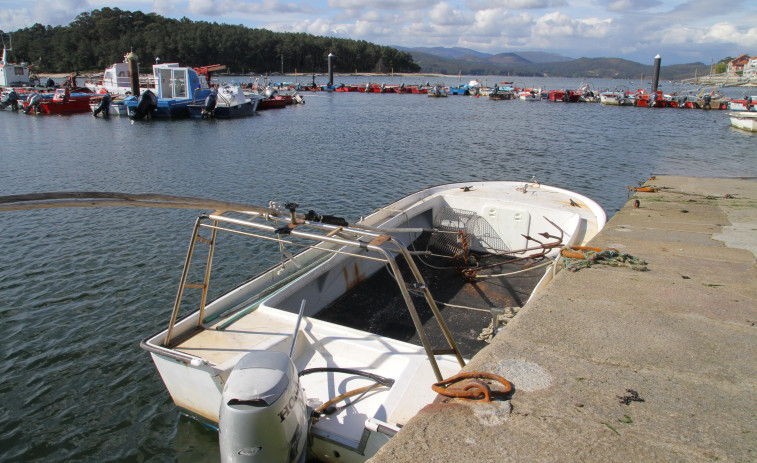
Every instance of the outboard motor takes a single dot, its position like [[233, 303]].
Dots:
[[269, 92], [209, 105], [50, 83], [34, 102], [103, 107], [263, 416], [12, 101], [146, 103]]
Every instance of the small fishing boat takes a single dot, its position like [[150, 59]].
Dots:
[[530, 94], [333, 349], [565, 96], [438, 91], [654, 99], [502, 91], [176, 87], [64, 101], [620, 96], [106, 104], [226, 101], [15, 75], [748, 103], [744, 120]]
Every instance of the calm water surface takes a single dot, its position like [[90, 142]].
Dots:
[[81, 287]]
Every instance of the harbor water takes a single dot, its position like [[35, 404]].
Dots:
[[80, 288]]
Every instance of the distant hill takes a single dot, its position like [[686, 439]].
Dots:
[[463, 60], [542, 57], [453, 53]]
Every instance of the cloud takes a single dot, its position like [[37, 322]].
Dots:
[[561, 25], [629, 5], [359, 5], [203, 7], [443, 14], [514, 4], [53, 12], [163, 7]]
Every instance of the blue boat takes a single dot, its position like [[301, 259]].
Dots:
[[175, 89]]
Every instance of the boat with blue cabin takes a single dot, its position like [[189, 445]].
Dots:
[[176, 87]]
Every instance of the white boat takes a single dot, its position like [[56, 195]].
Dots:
[[744, 120], [748, 103], [530, 94], [116, 80], [14, 74], [619, 97], [226, 101], [274, 366]]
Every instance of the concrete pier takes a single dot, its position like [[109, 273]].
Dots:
[[613, 364]]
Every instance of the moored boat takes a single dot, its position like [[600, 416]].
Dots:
[[748, 103], [281, 373], [567, 96], [744, 120], [530, 94], [63, 101], [226, 101], [502, 91], [176, 87], [620, 96], [107, 104], [437, 91]]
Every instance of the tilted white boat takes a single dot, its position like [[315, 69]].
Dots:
[[744, 120], [619, 96], [281, 383]]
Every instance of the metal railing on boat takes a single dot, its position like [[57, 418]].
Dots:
[[332, 240]]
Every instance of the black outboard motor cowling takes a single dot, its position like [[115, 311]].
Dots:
[[210, 104], [145, 104], [12, 101], [103, 107]]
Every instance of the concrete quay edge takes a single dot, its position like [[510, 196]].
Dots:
[[611, 364]]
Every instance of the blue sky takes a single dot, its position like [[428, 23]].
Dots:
[[680, 31]]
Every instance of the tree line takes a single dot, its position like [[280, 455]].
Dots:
[[97, 39]]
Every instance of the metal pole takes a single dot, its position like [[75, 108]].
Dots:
[[656, 80], [331, 71], [133, 72]]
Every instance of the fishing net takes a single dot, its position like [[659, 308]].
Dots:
[[459, 230]]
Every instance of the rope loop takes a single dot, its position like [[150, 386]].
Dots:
[[474, 388]]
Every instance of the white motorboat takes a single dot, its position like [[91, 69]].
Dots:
[[226, 101], [298, 360], [744, 120], [14, 74], [619, 97], [530, 94]]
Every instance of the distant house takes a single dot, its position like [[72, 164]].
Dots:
[[750, 68], [738, 64]]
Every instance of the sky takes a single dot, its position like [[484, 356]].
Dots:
[[637, 30]]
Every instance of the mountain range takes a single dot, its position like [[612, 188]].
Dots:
[[456, 60]]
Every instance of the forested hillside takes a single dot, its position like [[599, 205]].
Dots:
[[98, 39]]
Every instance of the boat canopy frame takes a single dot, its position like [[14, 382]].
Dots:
[[331, 239]]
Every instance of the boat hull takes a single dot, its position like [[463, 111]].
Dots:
[[744, 120], [75, 104], [225, 111]]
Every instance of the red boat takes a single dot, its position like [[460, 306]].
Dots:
[[64, 101], [276, 101], [651, 100], [568, 96]]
